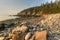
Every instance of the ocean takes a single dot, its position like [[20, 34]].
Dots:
[[2, 18]]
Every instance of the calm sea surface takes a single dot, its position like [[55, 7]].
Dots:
[[2, 18]]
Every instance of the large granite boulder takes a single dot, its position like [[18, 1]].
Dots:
[[39, 35], [22, 28], [1, 38]]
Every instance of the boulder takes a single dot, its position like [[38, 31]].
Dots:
[[28, 35], [1, 38], [22, 28], [39, 35], [13, 36]]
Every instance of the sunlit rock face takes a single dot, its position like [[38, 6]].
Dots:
[[52, 21], [41, 35], [49, 22]]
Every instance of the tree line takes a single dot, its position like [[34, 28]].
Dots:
[[48, 8]]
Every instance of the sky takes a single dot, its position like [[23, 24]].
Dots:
[[12, 7]]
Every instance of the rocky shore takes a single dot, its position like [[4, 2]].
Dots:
[[46, 27]]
